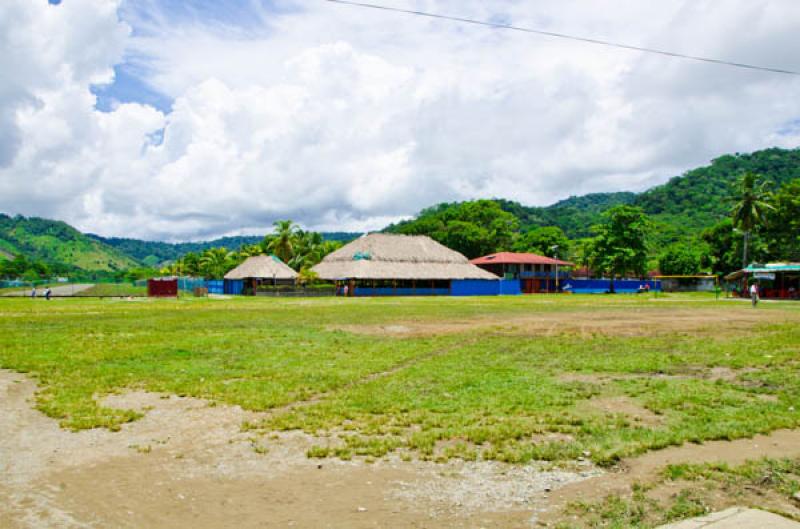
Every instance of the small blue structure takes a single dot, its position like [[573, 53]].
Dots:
[[233, 287], [484, 287], [603, 286], [215, 286]]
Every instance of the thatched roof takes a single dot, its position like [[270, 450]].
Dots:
[[262, 267], [387, 256]]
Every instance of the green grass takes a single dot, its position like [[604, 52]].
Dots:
[[685, 491], [491, 392]]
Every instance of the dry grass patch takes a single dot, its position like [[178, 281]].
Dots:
[[621, 405], [644, 321]]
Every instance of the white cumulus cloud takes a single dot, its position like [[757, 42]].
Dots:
[[341, 118]]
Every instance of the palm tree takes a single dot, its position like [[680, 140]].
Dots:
[[282, 244], [189, 264], [216, 262], [250, 250], [751, 208]]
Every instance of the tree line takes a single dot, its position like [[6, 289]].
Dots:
[[297, 248], [761, 226]]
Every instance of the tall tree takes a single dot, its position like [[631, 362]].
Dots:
[[216, 262], [472, 228], [751, 208], [621, 243], [282, 244], [542, 241], [782, 233], [679, 259], [725, 248]]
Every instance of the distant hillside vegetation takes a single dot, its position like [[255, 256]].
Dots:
[[681, 208], [575, 215], [58, 243], [699, 198], [154, 253]]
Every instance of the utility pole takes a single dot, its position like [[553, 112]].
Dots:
[[555, 256]]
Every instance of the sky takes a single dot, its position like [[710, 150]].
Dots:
[[191, 119]]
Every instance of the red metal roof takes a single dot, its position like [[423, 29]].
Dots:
[[517, 258]]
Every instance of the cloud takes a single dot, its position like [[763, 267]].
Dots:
[[348, 119]]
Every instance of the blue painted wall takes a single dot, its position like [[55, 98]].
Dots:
[[511, 287], [485, 287], [367, 291], [233, 287], [215, 286], [601, 286]]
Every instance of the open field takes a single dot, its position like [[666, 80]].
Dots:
[[390, 391]]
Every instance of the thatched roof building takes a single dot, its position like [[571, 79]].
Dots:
[[382, 256], [262, 267]]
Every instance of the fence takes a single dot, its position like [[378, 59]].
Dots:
[[298, 292], [16, 289], [389, 291], [603, 286]]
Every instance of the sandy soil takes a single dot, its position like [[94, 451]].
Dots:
[[621, 405], [187, 463], [65, 290], [645, 322], [781, 443]]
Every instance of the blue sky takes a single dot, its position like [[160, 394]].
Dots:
[[186, 120]]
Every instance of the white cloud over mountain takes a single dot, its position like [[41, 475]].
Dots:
[[342, 118]]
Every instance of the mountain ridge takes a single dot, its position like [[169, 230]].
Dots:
[[681, 208]]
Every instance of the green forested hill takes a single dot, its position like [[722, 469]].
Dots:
[[681, 208], [154, 253], [575, 215], [700, 198], [58, 243]]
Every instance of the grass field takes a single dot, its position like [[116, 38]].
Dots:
[[511, 379]]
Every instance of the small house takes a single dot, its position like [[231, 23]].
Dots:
[[259, 271], [536, 273], [775, 280], [382, 264]]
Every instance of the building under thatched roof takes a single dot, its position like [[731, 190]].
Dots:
[[388, 257], [262, 267]]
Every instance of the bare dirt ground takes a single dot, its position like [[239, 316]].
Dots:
[[779, 444], [646, 322], [188, 464], [64, 290]]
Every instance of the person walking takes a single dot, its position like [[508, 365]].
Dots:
[[33, 292], [47, 293], [754, 293]]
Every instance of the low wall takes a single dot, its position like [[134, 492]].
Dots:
[[369, 292], [485, 287], [602, 286]]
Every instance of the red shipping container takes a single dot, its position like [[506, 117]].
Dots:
[[162, 288]]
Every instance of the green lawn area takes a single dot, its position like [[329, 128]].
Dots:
[[511, 378]]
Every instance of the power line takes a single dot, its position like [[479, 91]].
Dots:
[[563, 36]]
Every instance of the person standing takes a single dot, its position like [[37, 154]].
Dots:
[[47, 293], [754, 293], [33, 291]]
